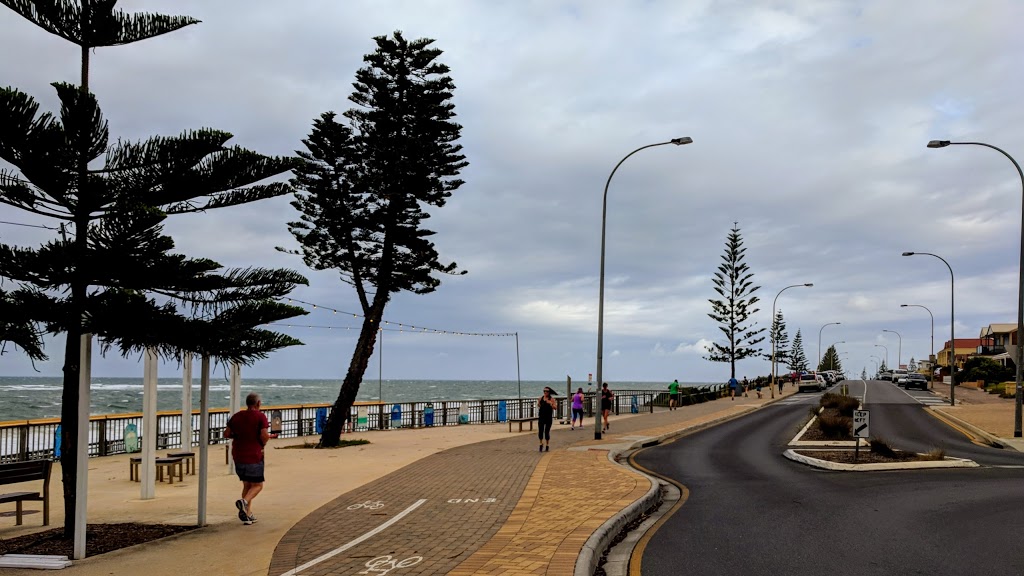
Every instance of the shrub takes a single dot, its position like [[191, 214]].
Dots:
[[835, 426], [933, 454], [844, 404], [882, 448]]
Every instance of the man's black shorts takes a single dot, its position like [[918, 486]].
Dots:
[[250, 472], [673, 397]]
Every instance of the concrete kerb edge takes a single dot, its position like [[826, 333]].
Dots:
[[595, 546], [973, 429], [826, 465]]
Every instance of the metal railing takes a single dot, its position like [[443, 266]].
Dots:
[[39, 439]]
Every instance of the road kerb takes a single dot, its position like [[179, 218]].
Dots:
[[949, 462]]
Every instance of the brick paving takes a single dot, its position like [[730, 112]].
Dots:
[[496, 507]]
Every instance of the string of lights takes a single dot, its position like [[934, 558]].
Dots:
[[401, 326]]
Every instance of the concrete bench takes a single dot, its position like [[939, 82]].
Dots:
[[521, 421], [168, 465], [18, 472]]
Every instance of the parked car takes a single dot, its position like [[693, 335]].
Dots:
[[885, 376], [916, 380], [899, 376], [813, 382]]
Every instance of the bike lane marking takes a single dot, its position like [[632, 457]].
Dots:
[[357, 541]]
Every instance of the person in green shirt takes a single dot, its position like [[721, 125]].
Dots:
[[673, 394]]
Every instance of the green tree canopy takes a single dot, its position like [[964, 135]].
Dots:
[[735, 287], [365, 184]]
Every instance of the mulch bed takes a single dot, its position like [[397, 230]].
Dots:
[[99, 539], [815, 434]]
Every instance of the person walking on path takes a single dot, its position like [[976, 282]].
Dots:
[[732, 387], [746, 385], [673, 394], [545, 416], [606, 404], [577, 408], [757, 386], [249, 432]]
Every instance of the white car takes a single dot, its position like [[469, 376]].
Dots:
[[811, 382], [899, 376]]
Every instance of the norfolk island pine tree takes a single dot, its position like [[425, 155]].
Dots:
[[733, 282], [363, 185], [103, 280]]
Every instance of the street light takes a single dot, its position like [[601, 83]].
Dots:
[[600, 301], [819, 341], [877, 362], [886, 355], [808, 285], [931, 353], [952, 339], [899, 351], [1019, 351]]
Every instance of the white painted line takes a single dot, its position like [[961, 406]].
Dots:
[[357, 541]]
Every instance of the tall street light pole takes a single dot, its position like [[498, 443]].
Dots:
[[600, 301], [774, 346], [1019, 350], [886, 355], [931, 353], [952, 339], [899, 351], [819, 342]]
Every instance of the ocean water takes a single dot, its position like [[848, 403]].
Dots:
[[25, 398]]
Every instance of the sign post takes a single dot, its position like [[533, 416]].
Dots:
[[860, 430]]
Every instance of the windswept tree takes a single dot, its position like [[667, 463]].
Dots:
[[780, 337], [863, 373], [365, 182], [735, 287], [111, 272], [912, 365], [797, 356]]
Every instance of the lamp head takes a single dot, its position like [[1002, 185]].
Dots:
[[681, 141], [809, 284], [938, 143], [908, 253], [903, 305]]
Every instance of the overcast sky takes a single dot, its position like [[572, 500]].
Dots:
[[809, 122]]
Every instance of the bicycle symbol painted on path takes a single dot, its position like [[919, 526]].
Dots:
[[385, 564], [369, 505]]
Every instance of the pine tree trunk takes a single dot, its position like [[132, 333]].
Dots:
[[356, 369]]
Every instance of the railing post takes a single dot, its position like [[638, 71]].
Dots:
[[102, 437]]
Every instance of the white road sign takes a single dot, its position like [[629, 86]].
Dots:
[[860, 424]]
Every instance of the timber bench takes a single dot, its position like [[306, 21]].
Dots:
[[16, 472], [521, 421], [172, 467]]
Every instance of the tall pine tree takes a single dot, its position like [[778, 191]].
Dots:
[[830, 360], [797, 356], [734, 284], [113, 274], [365, 184], [780, 337]]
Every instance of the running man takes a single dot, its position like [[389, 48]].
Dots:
[[673, 394], [249, 431]]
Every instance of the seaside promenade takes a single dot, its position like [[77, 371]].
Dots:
[[454, 500]]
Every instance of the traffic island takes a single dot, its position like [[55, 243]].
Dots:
[[866, 461]]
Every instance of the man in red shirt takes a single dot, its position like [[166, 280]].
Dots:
[[249, 431]]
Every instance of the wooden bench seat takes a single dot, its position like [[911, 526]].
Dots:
[[521, 421], [17, 472], [173, 467]]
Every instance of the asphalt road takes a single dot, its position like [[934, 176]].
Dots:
[[748, 510]]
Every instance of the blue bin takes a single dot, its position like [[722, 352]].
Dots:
[[428, 415], [502, 411], [396, 416]]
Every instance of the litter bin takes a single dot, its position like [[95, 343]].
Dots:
[[428, 414]]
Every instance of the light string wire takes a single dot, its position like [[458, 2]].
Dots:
[[401, 326]]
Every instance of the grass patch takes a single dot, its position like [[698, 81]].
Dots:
[[933, 454], [316, 445], [882, 448]]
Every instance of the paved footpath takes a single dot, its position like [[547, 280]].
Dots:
[[497, 507]]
